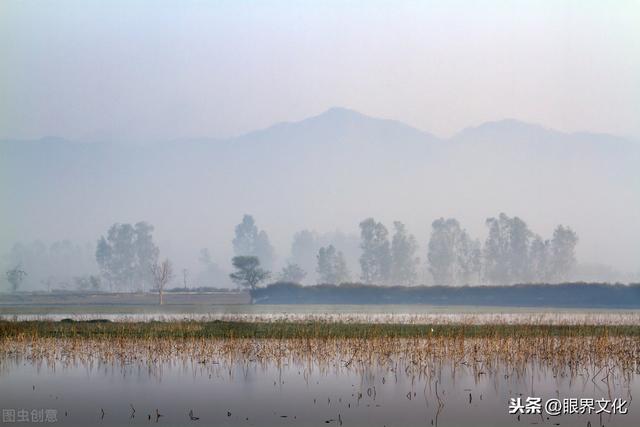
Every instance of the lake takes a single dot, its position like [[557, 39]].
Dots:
[[306, 383], [313, 382], [291, 394]]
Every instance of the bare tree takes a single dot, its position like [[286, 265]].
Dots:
[[161, 273]]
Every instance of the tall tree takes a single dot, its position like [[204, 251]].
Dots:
[[441, 251], [126, 254], [264, 250], [340, 268], [519, 239], [104, 258], [211, 274], [468, 253], [116, 256], [539, 257], [249, 241], [403, 256], [248, 272], [563, 258], [146, 253], [454, 258], [506, 250], [246, 235], [332, 266], [304, 250], [375, 261]]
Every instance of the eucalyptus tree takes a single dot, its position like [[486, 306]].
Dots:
[[454, 258], [125, 256], [304, 250], [563, 258], [375, 261], [404, 261], [250, 241], [332, 266], [506, 250]]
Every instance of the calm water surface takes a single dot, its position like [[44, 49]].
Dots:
[[302, 394], [251, 394]]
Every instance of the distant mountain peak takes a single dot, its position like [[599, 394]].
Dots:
[[340, 122], [342, 111], [342, 114], [338, 115]]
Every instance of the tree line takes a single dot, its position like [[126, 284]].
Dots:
[[128, 259], [511, 253]]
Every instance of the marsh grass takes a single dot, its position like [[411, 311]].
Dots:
[[603, 357], [597, 352], [300, 330]]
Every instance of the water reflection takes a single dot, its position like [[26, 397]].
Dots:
[[310, 383]]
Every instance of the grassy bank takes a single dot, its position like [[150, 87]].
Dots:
[[296, 330]]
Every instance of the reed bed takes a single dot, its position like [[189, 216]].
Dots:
[[592, 351], [603, 358], [289, 330]]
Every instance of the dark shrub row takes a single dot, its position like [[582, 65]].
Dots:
[[584, 295]]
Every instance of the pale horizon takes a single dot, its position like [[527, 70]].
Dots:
[[336, 107], [191, 69]]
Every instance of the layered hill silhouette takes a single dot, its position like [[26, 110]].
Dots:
[[327, 172]]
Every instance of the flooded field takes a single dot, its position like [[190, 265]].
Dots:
[[320, 365], [300, 382], [175, 374]]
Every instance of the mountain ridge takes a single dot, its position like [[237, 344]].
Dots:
[[342, 118], [325, 172]]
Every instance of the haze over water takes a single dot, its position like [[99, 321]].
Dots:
[[303, 393]]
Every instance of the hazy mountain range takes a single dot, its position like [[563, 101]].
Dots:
[[325, 173]]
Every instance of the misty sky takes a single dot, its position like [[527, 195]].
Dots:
[[132, 70]]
